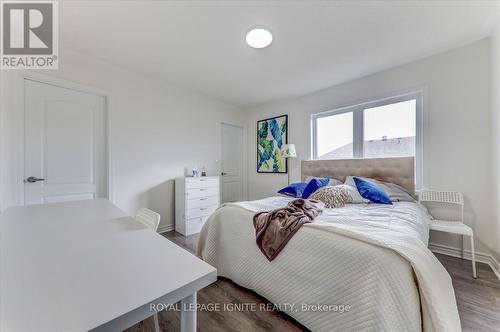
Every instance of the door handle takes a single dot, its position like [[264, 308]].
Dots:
[[33, 179]]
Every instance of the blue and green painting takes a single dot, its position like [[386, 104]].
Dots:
[[271, 136]]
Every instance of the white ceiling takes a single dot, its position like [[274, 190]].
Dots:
[[201, 45]]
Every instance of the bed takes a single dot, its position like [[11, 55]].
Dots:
[[362, 267]]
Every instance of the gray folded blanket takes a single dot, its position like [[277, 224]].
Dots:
[[274, 229]]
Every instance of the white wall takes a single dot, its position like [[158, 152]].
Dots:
[[495, 152], [152, 142], [457, 139], [7, 152], [157, 130], [2, 143]]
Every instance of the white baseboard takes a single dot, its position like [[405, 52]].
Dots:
[[481, 257], [166, 228]]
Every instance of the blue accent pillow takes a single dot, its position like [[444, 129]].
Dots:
[[314, 185], [371, 191], [294, 189]]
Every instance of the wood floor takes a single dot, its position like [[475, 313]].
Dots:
[[478, 301]]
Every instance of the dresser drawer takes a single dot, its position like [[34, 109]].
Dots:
[[194, 225], [202, 182], [202, 202], [200, 211], [195, 200], [202, 192]]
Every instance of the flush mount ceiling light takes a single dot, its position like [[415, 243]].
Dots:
[[259, 37]]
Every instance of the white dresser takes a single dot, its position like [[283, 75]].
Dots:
[[195, 200]]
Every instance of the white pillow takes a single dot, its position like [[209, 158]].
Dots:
[[350, 181], [331, 183], [354, 193]]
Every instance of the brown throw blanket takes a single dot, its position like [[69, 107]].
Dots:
[[274, 229]]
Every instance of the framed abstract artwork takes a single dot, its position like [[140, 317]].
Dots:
[[272, 134]]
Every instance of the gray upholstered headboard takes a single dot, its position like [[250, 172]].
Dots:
[[400, 171]]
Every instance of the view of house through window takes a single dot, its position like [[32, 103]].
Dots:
[[372, 130], [389, 130]]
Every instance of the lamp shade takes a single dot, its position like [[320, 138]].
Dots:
[[289, 151]]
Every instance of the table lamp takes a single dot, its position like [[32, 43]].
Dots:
[[288, 151]]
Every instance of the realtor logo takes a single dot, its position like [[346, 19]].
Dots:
[[29, 35]]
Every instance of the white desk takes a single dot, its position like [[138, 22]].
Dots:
[[85, 265]]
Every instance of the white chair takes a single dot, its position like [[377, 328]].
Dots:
[[151, 220], [148, 218], [449, 226]]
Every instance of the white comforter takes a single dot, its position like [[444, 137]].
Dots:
[[368, 263]]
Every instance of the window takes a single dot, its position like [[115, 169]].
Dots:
[[389, 130], [335, 136], [385, 128]]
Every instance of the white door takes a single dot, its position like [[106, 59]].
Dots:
[[64, 144], [232, 163]]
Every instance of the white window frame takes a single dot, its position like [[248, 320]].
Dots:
[[358, 126]]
